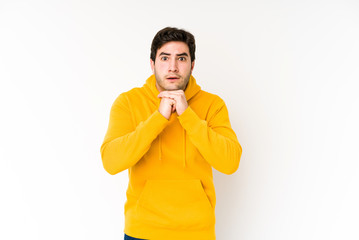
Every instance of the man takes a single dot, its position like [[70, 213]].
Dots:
[[169, 134]]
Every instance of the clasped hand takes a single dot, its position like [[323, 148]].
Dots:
[[172, 101]]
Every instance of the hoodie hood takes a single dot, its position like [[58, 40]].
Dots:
[[152, 92]]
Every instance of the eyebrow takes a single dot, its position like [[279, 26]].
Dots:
[[182, 54], [167, 54]]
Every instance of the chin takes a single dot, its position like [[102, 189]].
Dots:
[[173, 88]]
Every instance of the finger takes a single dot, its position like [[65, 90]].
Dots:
[[169, 100], [170, 93], [162, 95]]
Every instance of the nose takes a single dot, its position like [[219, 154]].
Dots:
[[173, 67]]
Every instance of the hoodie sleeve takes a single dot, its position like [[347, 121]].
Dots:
[[124, 145], [214, 138]]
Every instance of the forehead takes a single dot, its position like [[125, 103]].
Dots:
[[173, 48]]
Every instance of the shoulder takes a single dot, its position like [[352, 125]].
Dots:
[[207, 105], [125, 96], [211, 98], [133, 92]]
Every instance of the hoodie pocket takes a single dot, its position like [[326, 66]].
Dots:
[[175, 204]]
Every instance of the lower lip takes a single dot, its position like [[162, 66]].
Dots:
[[172, 79]]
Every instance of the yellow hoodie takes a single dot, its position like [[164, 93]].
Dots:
[[170, 194]]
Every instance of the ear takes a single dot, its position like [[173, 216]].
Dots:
[[192, 66], [152, 65]]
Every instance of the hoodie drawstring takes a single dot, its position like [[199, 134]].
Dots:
[[160, 148], [184, 148], [152, 93]]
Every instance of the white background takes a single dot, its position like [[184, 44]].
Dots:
[[287, 70]]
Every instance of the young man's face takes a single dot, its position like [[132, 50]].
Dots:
[[173, 66]]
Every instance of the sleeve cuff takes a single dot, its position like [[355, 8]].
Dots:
[[190, 120], [156, 123]]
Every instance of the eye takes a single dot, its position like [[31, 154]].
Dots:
[[164, 58], [182, 58]]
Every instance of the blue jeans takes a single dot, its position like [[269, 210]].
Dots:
[[132, 238]]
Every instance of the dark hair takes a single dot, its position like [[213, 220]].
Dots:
[[170, 34]]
